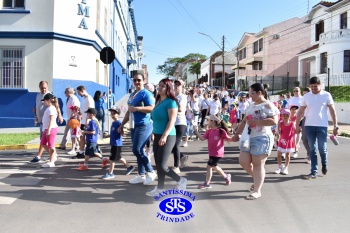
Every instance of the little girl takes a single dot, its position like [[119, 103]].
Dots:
[[76, 131], [216, 134], [286, 143], [233, 117], [50, 128]]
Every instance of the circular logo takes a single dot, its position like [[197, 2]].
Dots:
[[175, 206]]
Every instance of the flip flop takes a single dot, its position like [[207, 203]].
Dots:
[[251, 188], [252, 196]]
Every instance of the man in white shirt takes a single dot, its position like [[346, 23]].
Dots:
[[72, 100], [88, 102], [314, 107]]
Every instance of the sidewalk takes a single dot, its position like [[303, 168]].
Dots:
[[34, 144]]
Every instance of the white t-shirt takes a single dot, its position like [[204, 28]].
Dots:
[[88, 102], [294, 101], [46, 118], [215, 107], [316, 108], [181, 116], [242, 106], [72, 101], [224, 93], [260, 112], [205, 103]]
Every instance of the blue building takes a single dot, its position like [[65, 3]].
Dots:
[[60, 42]]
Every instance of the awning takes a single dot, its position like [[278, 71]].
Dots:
[[250, 61], [241, 65]]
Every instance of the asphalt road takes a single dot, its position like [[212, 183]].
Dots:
[[62, 199]]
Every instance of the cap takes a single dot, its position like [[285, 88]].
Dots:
[[214, 118], [180, 81], [92, 111], [294, 106], [48, 96], [285, 111], [115, 109]]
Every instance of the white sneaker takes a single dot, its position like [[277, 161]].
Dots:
[[154, 192], [137, 180], [72, 152], [48, 164], [280, 169], [181, 185], [149, 178], [295, 155], [185, 144], [285, 171], [176, 170]]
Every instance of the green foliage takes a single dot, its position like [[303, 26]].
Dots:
[[17, 138], [195, 68], [340, 93], [169, 66]]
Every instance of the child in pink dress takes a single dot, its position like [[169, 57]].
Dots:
[[286, 142], [233, 117], [216, 134]]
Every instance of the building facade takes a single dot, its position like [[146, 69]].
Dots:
[[60, 42], [328, 54], [271, 53]]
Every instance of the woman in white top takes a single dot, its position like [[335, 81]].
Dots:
[[257, 138], [50, 127], [194, 105], [204, 108], [214, 106], [180, 126], [242, 106]]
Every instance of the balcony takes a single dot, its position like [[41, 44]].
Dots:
[[251, 60], [335, 35]]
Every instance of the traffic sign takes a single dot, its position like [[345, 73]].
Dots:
[[107, 55]]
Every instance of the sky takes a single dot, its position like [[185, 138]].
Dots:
[[170, 27]]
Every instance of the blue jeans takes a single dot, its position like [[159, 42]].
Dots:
[[317, 138], [101, 118], [139, 137]]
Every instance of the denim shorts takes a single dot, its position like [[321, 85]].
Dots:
[[260, 145], [91, 149]]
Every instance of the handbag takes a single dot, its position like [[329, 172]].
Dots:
[[244, 141]]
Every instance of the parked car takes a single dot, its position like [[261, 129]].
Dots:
[[240, 94]]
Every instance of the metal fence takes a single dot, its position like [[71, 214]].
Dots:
[[338, 85]]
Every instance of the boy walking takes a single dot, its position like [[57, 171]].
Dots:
[[116, 145], [91, 135]]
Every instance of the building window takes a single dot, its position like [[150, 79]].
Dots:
[[256, 47], [323, 63], [261, 44], [344, 21], [319, 29], [11, 67], [242, 54], [346, 60], [13, 3], [257, 65]]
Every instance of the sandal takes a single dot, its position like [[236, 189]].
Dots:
[[251, 188], [252, 196]]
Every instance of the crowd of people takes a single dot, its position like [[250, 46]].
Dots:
[[172, 113]]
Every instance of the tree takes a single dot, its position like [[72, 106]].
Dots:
[[195, 68], [169, 66]]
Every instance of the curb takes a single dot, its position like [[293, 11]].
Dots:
[[36, 146]]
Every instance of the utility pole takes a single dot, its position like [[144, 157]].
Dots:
[[223, 61]]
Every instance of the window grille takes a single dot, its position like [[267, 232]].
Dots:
[[11, 67]]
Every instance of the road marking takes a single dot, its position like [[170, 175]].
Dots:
[[9, 198]]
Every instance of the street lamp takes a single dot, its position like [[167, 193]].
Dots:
[[223, 55]]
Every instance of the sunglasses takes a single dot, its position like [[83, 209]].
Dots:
[[137, 80], [296, 91]]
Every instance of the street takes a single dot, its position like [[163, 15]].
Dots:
[[62, 199]]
